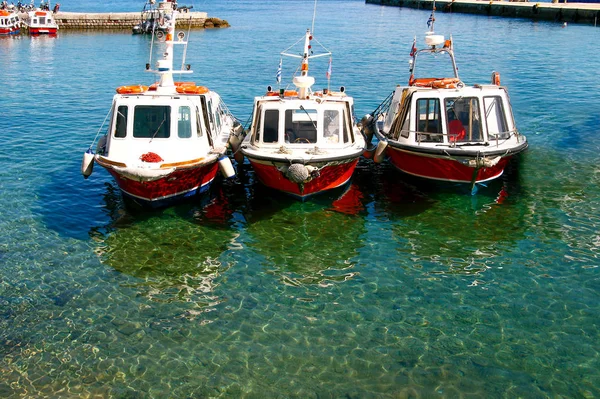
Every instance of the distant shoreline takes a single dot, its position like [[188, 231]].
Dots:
[[560, 12]]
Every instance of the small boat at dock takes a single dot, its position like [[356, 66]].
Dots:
[[41, 22], [167, 140], [442, 129], [303, 142], [153, 19], [10, 23]]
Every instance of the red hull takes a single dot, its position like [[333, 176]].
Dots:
[[9, 31], [329, 178], [181, 183], [42, 31], [437, 168]]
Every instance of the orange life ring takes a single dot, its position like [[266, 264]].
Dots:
[[184, 89], [290, 93], [435, 83], [272, 94], [178, 84], [135, 89]]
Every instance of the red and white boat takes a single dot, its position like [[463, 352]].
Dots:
[[41, 22], [167, 140], [10, 23], [443, 129], [303, 142]]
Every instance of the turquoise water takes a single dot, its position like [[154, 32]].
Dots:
[[397, 289]]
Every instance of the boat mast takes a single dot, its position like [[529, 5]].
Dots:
[[432, 18], [303, 82], [165, 66]]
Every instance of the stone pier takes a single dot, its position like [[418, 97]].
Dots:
[[127, 20], [560, 12]]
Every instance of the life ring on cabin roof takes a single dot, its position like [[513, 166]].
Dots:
[[435, 83], [286, 93], [188, 89], [135, 89]]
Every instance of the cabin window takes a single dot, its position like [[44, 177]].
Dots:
[[271, 126], [464, 119], [152, 122], [495, 118], [301, 125], [256, 126], [218, 118], [42, 20], [198, 124], [349, 133], [429, 127], [331, 126], [405, 129], [184, 123], [121, 122], [346, 135], [207, 124], [211, 116]]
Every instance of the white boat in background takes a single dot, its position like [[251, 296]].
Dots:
[[443, 129], [41, 22], [10, 23], [153, 19], [302, 142], [167, 140]]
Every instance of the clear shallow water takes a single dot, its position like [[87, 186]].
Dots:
[[396, 289]]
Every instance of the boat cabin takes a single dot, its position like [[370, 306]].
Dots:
[[9, 23], [425, 116], [178, 128], [297, 123], [41, 18]]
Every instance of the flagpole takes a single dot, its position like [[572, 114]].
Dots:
[[329, 74], [278, 76], [432, 17]]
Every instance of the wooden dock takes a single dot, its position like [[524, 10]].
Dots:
[[560, 12], [127, 20]]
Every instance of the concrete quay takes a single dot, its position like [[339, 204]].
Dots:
[[127, 20], [560, 12]]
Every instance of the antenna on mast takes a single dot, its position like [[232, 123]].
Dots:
[[312, 28]]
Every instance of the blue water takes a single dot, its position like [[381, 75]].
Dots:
[[397, 290]]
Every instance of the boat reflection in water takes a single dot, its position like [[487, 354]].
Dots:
[[467, 235], [310, 242], [173, 255]]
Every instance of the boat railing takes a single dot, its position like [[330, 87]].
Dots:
[[427, 137], [435, 137], [504, 136]]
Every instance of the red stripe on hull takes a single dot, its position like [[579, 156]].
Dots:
[[444, 169], [329, 178], [42, 31], [177, 183], [9, 31]]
